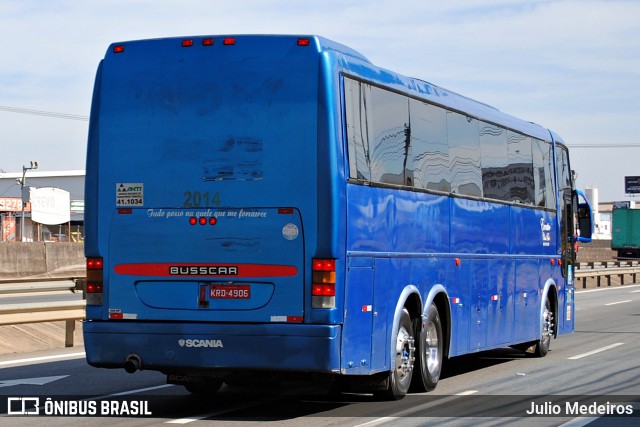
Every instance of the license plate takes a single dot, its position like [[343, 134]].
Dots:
[[229, 291]]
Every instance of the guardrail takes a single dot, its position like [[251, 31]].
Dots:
[[45, 311], [609, 270]]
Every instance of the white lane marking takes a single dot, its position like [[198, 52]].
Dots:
[[187, 420], [618, 302], [466, 393], [31, 360], [586, 291], [140, 390], [599, 350], [408, 412], [377, 421]]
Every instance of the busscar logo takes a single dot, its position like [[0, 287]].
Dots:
[[203, 270]]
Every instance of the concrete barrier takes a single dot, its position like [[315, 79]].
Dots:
[[41, 260]]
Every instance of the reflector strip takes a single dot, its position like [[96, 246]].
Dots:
[[494, 297], [455, 300], [287, 319], [206, 270]]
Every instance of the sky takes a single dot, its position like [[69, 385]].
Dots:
[[572, 66]]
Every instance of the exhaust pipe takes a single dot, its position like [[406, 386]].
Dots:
[[133, 363]]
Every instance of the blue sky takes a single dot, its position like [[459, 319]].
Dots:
[[570, 65]]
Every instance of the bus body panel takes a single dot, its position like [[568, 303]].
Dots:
[[165, 159]]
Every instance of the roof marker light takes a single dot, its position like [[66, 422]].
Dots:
[[118, 49], [208, 41], [303, 42], [228, 41], [187, 43]]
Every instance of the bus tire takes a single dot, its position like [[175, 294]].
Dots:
[[402, 361], [429, 348], [547, 318]]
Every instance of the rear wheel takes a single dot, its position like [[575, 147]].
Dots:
[[428, 364], [402, 360]]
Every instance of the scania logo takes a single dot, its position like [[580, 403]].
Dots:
[[192, 343]]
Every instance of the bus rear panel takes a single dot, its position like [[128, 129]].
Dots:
[[201, 188]]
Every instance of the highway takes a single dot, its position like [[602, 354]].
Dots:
[[596, 367]]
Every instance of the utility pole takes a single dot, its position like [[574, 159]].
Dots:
[[34, 165]]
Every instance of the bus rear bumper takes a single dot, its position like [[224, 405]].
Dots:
[[217, 347]]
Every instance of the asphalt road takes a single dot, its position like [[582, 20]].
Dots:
[[594, 369]]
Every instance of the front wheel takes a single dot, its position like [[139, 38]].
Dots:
[[428, 364], [402, 360], [542, 345]]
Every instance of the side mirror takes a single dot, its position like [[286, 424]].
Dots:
[[585, 218]]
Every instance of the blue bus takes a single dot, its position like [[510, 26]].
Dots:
[[280, 206]]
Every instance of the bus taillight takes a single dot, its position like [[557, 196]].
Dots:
[[94, 287], [323, 287]]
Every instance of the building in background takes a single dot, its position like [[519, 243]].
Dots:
[[11, 206]]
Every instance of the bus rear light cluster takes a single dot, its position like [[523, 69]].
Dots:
[[210, 41], [323, 286], [95, 279], [203, 220]]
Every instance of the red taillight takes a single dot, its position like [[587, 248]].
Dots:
[[187, 43], [95, 279], [324, 290], [303, 42], [94, 288], [94, 264], [118, 49], [324, 264], [228, 41], [323, 287], [203, 220]]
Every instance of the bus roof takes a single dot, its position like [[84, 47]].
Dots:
[[352, 62]]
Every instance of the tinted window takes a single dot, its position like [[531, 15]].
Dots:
[[495, 162], [520, 168], [464, 154], [389, 136], [543, 174], [356, 101], [398, 140], [429, 155]]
